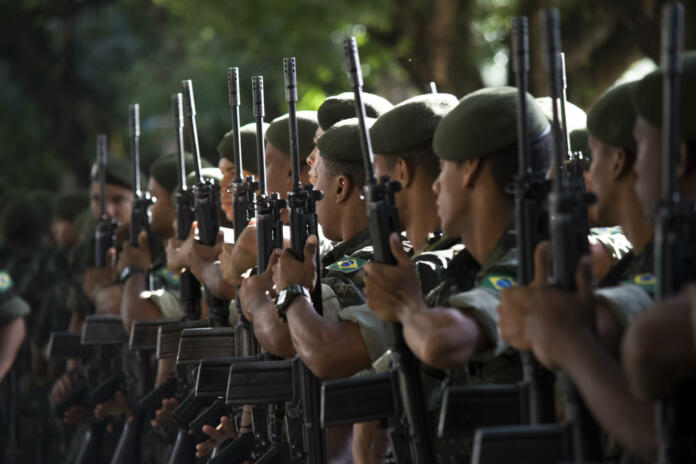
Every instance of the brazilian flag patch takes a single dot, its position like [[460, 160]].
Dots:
[[497, 282], [347, 264], [168, 276], [646, 281], [5, 281]]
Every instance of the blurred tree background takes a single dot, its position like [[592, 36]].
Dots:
[[69, 68]]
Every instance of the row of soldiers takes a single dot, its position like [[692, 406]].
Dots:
[[421, 282]]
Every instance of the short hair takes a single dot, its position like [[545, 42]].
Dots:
[[503, 164], [356, 174], [422, 158]]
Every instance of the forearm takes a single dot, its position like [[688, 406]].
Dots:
[[212, 278], [11, 337], [133, 306], [330, 349], [605, 389], [441, 337], [271, 332]]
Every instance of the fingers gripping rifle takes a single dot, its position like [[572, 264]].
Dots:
[[105, 227], [142, 200], [206, 196], [569, 243], [303, 222], [190, 288], [675, 234], [411, 423], [531, 218]]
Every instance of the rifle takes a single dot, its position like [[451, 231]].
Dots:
[[142, 200], [206, 198], [432, 87], [675, 231], [104, 231], [410, 423], [303, 222], [190, 288], [105, 336]]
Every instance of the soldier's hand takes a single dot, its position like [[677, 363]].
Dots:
[[96, 278], [554, 315], [76, 415], [258, 287], [179, 251], [393, 292], [514, 301], [224, 431], [290, 271], [116, 406], [164, 414], [62, 387], [135, 256], [241, 258]]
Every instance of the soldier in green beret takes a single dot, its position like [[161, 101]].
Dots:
[[247, 134], [454, 327], [339, 107], [624, 292], [355, 334], [654, 367]]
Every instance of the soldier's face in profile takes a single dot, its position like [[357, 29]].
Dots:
[[313, 158], [600, 178], [117, 203], [228, 173], [278, 175], [449, 193], [648, 165]]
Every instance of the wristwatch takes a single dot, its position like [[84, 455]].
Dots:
[[287, 296], [129, 272]]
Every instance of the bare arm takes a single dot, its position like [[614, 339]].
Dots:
[[211, 276], [604, 386], [11, 337], [272, 333], [330, 349], [108, 300]]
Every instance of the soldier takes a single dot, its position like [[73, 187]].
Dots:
[[655, 367], [592, 361], [454, 327]]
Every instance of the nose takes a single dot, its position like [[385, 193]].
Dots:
[[436, 186]]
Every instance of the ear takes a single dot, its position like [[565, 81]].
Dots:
[[620, 165], [470, 170], [344, 187], [403, 173]]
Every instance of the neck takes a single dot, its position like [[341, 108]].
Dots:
[[353, 218], [487, 222], [420, 217], [632, 220]]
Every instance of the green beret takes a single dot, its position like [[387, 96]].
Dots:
[[165, 170], [278, 133], [342, 142], [611, 118], [68, 205], [247, 133], [485, 122], [118, 172], [410, 124], [578, 141], [647, 98], [212, 174], [11, 305], [342, 106]]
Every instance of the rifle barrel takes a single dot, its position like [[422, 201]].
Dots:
[[178, 111], [259, 113], [190, 106], [234, 100]]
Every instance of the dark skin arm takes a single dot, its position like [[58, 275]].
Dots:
[[330, 349], [133, 307], [655, 366], [441, 337], [255, 297], [559, 328], [11, 335]]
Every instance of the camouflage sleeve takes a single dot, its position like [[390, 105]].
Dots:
[[371, 328], [626, 301], [168, 303], [480, 304], [325, 245]]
